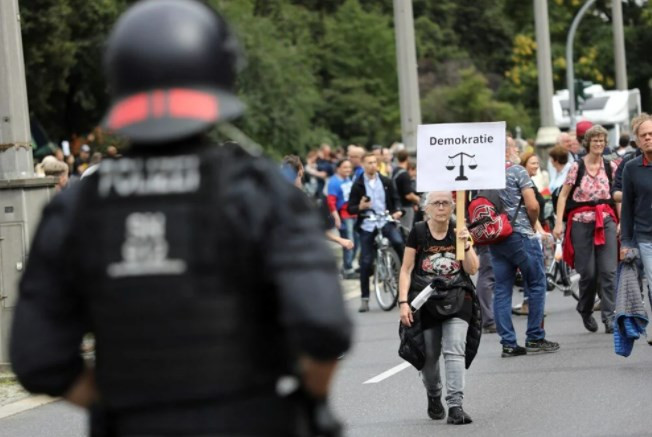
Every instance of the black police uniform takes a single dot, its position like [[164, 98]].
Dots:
[[201, 272], [201, 284]]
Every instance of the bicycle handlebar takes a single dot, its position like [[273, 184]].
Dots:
[[385, 216]]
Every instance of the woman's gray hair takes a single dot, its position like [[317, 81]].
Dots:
[[594, 131]]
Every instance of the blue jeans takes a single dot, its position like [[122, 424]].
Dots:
[[368, 252], [346, 231], [350, 225], [518, 252]]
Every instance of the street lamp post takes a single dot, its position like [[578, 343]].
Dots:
[[570, 69], [619, 44], [544, 62], [406, 62]]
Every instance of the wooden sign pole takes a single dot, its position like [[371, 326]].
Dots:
[[460, 198]]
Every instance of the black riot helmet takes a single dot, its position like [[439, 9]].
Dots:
[[171, 67]]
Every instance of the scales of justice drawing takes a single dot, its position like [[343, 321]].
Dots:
[[450, 165]]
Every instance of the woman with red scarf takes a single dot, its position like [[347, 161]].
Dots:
[[590, 242]]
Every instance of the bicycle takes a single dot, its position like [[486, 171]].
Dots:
[[387, 264], [559, 275]]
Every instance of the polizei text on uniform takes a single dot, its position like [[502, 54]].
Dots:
[[461, 139]]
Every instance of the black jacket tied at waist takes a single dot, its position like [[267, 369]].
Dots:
[[412, 347]]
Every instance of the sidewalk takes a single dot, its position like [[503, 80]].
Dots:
[[10, 390]]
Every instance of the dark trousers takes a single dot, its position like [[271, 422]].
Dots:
[[596, 265], [485, 285], [368, 252]]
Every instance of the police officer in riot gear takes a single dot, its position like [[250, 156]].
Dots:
[[202, 274]]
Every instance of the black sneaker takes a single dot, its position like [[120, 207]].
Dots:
[[608, 327], [542, 345], [513, 351], [435, 408], [457, 416]]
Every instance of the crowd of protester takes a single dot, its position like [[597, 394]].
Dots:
[[580, 185], [579, 196], [349, 185], [67, 164], [330, 175]]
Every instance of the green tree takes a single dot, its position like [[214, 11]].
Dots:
[[49, 53], [326, 70], [359, 76], [471, 100], [278, 83], [62, 42]]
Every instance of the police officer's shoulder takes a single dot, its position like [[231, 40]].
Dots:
[[58, 218], [67, 199], [261, 174]]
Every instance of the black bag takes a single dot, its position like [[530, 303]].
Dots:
[[413, 346], [448, 297]]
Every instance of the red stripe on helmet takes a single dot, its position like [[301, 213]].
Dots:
[[132, 110], [158, 103], [192, 104]]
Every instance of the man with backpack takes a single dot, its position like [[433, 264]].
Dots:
[[520, 250]]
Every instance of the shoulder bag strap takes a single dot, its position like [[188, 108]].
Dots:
[[518, 207]]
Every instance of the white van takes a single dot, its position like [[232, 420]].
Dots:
[[612, 109]]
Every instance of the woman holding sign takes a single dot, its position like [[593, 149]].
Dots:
[[449, 321]]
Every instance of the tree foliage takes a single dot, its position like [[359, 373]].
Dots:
[[326, 70]]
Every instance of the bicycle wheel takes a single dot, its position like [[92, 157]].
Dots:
[[550, 282], [570, 287], [386, 278]]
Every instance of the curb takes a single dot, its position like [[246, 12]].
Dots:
[[24, 404], [7, 377]]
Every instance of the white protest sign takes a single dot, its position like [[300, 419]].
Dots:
[[461, 156]]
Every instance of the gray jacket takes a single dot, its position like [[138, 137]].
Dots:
[[631, 318]]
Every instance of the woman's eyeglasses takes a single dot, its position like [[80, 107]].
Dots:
[[438, 204]]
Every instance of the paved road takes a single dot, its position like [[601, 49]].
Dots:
[[52, 420], [583, 390]]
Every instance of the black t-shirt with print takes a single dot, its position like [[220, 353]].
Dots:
[[437, 258]]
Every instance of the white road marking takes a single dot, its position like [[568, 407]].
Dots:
[[388, 373], [24, 405]]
